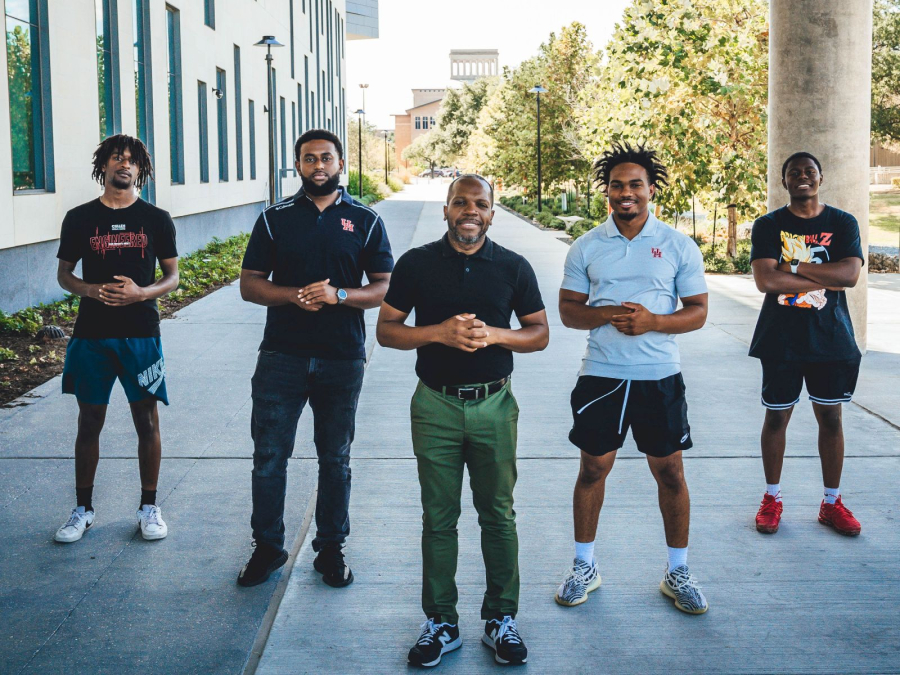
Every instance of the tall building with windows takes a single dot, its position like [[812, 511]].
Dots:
[[186, 78]]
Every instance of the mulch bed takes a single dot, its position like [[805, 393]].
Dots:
[[40, 361]]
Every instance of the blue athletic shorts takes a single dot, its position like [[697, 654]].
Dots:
[[92, 367]]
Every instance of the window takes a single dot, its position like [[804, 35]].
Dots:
[[143, 89], [283, 137], [300, 108], [108, 67], [176, 131], [312, 98], [309, 121], [238, 114], [28, 75], [222, 124], [291, 6], [251, 122], [432, 122], [418, 122], [204, 132], [293, 122], [209, 13]]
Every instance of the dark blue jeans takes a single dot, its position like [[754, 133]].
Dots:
[[282, 384]]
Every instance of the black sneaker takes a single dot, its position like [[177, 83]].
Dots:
[[265, 560], [330, 564], [503, 637], [436, 640]]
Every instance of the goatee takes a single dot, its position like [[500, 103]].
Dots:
[[463, 239], [314, 189]]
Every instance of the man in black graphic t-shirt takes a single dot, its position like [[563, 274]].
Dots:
[[804, 255], [118, 238]]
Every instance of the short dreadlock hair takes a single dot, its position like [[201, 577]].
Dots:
[[140, 157], [623, 153]]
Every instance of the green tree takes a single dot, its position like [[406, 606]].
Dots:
[[373, 146], [886, 71], [458, 117], [425, 151]]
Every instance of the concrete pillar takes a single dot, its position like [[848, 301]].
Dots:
[[820, 76]]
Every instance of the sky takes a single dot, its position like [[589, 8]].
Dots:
[[416, 36]]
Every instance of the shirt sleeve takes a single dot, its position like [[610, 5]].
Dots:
[[765, 240], [690, 279], [164, 244], [527, 297], [575, 276], [401, 291], [848, 244], [69, 250], [377, 250], [260, 248]]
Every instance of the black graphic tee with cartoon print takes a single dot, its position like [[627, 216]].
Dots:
[[815, 325], [109, 242]]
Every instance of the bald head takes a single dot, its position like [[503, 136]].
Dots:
[[470, 179]]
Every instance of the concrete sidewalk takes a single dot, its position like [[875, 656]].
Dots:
[[804, 600]]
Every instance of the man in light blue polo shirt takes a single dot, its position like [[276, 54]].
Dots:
[[622, 282]]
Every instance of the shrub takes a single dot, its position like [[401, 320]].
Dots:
[[370, 186], [579, 228], [7, 355], [28, 321], [895, 182], [395, 184]]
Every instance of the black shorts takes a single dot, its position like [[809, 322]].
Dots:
[[827, 383], [603, 409]]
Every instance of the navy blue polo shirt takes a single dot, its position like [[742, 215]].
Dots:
[[299, 245]]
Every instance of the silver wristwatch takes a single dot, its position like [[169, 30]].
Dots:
[[341, 296], [795, 264]]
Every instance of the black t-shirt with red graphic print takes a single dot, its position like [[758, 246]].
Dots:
[[813, 326], [110, 242]]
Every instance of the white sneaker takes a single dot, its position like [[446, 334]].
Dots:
[[75, 527], [580, 580], [151, 523], [680, 585]]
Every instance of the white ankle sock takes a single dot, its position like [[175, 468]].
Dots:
[[831, 495], [677, 557], [774, 489], [584, 551]]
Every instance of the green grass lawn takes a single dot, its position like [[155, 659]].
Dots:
[[884, 217]]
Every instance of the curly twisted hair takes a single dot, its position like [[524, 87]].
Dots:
[[140, 157], [623, 153]]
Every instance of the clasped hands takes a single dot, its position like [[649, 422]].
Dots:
[[126, 292], [465, 332], [636, 321], [316, 295]]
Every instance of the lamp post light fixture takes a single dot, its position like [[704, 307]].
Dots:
[[364, 87], [269, 41], [538, 90], [360, 112]]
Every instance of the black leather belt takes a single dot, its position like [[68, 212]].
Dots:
[[469, 393]]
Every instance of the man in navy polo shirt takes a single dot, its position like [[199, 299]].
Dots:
[[622, 282], [315, 246]]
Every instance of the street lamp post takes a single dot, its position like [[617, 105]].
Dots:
[[538, 90], [268, 42], [385, 157], [359, 167]]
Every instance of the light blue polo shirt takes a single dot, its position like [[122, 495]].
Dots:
[[654, 269]]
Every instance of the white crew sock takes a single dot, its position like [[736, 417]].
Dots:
[[584, 551], [774, 489], [831, 495], [80, 510], [677, 557]]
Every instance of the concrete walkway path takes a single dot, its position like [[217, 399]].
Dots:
[[805, 600]]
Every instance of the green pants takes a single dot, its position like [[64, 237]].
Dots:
[[448, 433]]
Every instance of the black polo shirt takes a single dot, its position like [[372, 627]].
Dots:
[[298, 245], [439, 282]]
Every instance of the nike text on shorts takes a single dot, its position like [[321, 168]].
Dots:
[[827, 382], [92, 367], [604, 408]]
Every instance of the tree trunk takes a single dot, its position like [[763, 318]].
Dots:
[[694, 215], [732, 231], [715, 216]]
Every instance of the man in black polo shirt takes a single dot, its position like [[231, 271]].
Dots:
[[464, 289], [316, 247]]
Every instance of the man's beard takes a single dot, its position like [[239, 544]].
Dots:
[[628, 215], [462, 239], [323, 190], [119, 183]]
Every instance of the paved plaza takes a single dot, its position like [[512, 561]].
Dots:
[[802, 601]]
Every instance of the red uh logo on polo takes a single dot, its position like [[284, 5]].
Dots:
[[348, 225], [656, 252]]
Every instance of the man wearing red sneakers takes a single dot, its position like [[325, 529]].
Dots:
[[803, 256]]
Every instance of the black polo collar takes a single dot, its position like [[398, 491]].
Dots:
[[486, 251], [343, 197]]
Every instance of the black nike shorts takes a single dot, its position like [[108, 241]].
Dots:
[[603, 409], [827, 383]]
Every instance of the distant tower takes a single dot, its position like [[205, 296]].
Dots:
[[467, 65]]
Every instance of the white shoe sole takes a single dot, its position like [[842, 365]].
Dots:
[[490, 643], [65, 540], [669, 593], [153, 537], [593, 586], [449, 647]]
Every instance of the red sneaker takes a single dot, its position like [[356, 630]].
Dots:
[[839, 517], [769, 515]]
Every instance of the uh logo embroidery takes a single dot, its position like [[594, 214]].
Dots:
[[808, 248], [348, 224], [657, 253]]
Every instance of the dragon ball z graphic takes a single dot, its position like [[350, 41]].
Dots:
[[804, 248]]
